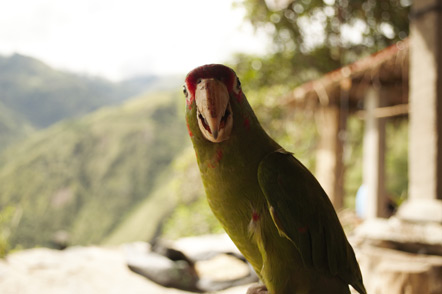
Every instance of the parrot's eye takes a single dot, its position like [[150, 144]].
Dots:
[[185, 91], [238, 83]]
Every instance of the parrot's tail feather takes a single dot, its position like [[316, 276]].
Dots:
[[359, 286]]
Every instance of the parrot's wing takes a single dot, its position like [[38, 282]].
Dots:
[[303, 213]]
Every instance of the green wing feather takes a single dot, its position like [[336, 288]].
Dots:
[[303, 213]]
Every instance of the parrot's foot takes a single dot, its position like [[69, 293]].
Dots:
[[257, 289]]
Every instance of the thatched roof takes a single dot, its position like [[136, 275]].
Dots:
[[386, 70]]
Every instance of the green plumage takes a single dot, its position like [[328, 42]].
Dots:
[[271, 206]]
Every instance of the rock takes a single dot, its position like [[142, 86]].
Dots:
[[85, 270], [222, 267], [178, 273], [223, 272], [423, 238], [388, 271], [211, 267], [421, 210], [400, 257], [60, 240], [203, 247], [90, 270], [218, 261]]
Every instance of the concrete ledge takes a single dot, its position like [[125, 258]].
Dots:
[[421, 210], [394, 233], [388, 271]]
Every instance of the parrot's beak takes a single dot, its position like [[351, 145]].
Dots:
[[213, 110]]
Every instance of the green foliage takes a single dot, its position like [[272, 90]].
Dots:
[[288, 23], [6, 226], [294, 129], [396, 160], [178, 185], [84, 176], [312, 37], [190, 220], [12, 127], [353, 159]]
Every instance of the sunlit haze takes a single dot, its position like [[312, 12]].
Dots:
[[122, 38]]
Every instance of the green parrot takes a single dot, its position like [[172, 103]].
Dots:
[[270, 205]]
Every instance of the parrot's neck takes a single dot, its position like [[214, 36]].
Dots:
[[248, 144]]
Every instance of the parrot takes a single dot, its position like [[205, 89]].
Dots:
[[271, 206]]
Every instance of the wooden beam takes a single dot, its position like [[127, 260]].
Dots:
[[329, 165], [374, 158], [385, 112]]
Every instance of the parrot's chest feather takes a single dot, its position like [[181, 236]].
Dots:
[[232, 185], [229, 172], [236, 199]]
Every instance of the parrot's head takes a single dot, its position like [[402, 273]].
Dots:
[[210, 91]]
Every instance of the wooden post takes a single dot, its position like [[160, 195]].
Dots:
[[425, 153], [329, 165], [374, 157]]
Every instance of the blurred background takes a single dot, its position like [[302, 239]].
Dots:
[[93, 144]]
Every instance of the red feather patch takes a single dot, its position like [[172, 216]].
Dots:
[[246, 123], [218, 71], [189, 131], [219, 155], [302, 229], [217, 158], [239, 96]]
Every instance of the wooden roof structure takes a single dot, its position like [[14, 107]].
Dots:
[[387, 69], [373, 87]]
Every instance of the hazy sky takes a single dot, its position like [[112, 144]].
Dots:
[[121, 38]]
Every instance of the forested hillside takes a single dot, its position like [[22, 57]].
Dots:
[[84, 176], [12, 126]]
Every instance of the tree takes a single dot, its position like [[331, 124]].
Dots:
[[312, 37]]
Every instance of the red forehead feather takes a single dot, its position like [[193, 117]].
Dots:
[[218, 71]]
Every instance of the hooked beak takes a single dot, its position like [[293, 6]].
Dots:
[[214, 113]]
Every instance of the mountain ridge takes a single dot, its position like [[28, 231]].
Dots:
[[83, 176]]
